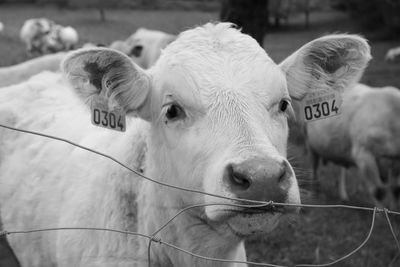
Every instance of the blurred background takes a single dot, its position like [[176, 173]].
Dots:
[[281, 27]]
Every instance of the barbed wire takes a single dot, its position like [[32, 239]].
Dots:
[[391, 229], [254, 204], [154, 238], [350, 253], [184, 188]]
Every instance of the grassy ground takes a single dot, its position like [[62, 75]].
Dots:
[[318, 235]]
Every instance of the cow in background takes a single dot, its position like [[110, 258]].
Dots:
[[365, 135], [43, 36], [144, 46]]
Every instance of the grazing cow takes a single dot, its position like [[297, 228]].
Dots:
[[144, 46], [210, 115], [23, 71], [365, 135], [44, 36]]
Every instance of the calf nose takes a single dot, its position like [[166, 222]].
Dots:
[[259, 179]]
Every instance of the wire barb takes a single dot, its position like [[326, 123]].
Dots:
[[391, 229], [152, 238], [371, 229], [155, 239]]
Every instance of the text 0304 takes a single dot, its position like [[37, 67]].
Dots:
[[320, 110], [108, 119]]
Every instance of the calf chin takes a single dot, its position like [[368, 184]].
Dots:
[[257, 180], [244, 225]]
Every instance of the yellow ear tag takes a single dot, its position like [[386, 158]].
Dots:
[[321, 104], [102, 116]]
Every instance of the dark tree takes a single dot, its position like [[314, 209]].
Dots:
[[391, 14], [252, 16], [100, 5], [381, 16], [307, 13], [102, 13]]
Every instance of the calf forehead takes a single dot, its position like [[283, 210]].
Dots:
[[220, 58]]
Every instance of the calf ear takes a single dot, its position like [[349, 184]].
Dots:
[[331, 62], [109, 74]]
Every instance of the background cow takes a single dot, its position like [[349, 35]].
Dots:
[[365, 135], [144, 46], [43, 36]]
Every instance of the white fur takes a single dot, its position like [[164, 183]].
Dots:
[[21, 72], [121, 46], [230, 90]]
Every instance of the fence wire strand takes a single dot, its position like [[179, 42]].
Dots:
[[252, 204], [391, 229], [371, 229]]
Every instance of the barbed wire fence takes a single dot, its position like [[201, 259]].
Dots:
[[268, 206]]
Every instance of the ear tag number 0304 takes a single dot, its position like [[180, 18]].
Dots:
[[319, 105], [104, 117]]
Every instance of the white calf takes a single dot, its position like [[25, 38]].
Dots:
[[210, 116], [144, 46], [365, 135]]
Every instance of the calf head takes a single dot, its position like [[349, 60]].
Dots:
[[218, 108]]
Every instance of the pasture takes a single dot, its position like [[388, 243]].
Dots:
[[317, 235]]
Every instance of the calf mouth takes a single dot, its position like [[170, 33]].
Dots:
[[247, 221], [245, 211], [267, 208]]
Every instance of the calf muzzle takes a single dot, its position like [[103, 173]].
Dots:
[[260, 179]]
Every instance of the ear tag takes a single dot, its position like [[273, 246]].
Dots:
[[321, 104], [105, 117]]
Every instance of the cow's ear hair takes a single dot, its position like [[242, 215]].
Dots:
[[333, 62], [110, 74]]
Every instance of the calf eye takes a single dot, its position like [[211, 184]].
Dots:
[[283, 105], [175, 112]]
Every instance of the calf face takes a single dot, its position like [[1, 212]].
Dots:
[[218, 109]]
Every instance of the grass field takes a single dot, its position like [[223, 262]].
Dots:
[[318, 235]]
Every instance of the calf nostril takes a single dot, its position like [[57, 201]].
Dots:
[[262, 179], [238, 179], [282, 176], [283, 173]]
